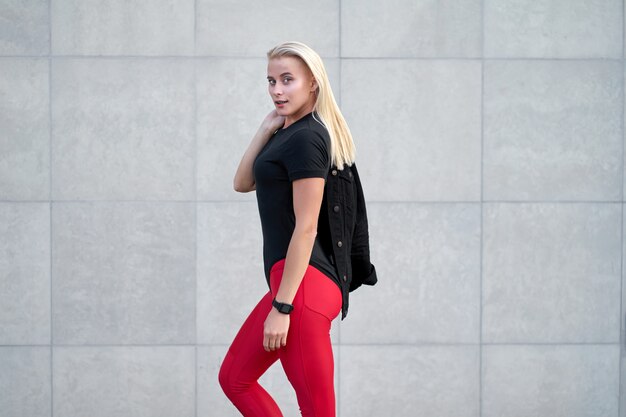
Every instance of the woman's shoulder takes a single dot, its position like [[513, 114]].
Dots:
[[311, 128], [307, 133]]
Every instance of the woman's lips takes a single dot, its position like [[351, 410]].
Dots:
[[280, 103]]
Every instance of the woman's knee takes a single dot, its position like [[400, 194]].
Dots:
[[224, 376]]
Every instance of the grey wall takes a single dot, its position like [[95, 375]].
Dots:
[[490, 141]]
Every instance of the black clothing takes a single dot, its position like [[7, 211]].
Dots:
[[301, 150], [344, 228], [341, 248]]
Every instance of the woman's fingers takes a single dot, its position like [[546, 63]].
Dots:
[[273, 120], [273, 342], [275, 330]]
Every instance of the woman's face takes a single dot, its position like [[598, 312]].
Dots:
[[291, 86]]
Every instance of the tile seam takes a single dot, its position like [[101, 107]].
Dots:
[[482, 201], [195, 207], [622, 319], [50, 200]]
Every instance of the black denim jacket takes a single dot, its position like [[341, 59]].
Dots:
[[347, 218]]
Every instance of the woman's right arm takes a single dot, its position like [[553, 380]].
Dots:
[[244, 177]]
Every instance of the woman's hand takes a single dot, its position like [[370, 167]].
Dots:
[[273, 121], [275, 330]]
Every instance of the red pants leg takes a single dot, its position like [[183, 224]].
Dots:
[[307, 358]]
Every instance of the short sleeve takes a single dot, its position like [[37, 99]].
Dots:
[[306, 155]]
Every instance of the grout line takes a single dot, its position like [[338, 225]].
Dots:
[[461, 58], [195, 207], [162, 57], [362, 344], [50, 243], [368, 201], [482, 201], [324, 57], [620, 394]]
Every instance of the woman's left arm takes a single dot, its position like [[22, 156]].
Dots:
[[307, 201]]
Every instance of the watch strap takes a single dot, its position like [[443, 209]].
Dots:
[[282, 307]]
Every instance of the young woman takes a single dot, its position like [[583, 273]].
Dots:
[[287, 163]]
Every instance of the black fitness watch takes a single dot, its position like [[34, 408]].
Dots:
[[282, 307]]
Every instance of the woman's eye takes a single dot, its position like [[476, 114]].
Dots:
[[272, 82], [286, 80]]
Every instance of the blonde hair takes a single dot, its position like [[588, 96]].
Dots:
[[342, 149]]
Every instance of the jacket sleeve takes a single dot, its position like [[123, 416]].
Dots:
[[363, 271]]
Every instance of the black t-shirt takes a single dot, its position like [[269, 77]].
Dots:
[[301, 150]]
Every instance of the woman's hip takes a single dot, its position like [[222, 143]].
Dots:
[[317, 291]]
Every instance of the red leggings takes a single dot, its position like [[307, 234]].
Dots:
[[307, 358]]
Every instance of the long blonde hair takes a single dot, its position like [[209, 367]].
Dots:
[[342, 146]]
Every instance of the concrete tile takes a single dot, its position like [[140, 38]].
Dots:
[[123, 381], [230, 267], [560, 381], [25, 381], [405, 28], [24, 28], [407, 381], [232, 101], [123, 273], [240, 28], [552, 130], [416, 129], [24, 273], [123, 129], [119, 27], [427, 258], [553, 29], [25, 126], [551, 273]]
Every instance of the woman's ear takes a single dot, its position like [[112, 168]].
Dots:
[[313, 85]]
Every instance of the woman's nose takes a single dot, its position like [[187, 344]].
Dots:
[[275, 89]]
